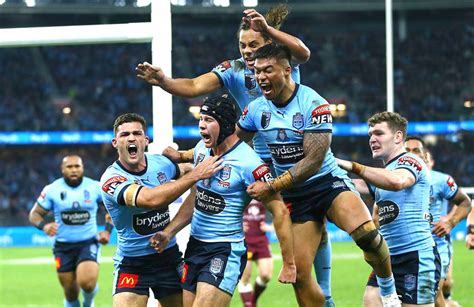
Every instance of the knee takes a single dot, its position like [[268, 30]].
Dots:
[[88, 285], [368, 238], [265, 277]]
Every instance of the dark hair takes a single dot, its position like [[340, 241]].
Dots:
[[222, 109], [129, 118], [395, 121], [274, 17], [416, 138], [276, 51]]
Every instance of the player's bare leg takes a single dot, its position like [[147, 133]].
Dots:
[[209, 295], [174, 300], [87, 273], [188, 298], [125, 299], [70, 287]]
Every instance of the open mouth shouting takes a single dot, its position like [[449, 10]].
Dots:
[[266, 88], [206, 138], [132, 150]]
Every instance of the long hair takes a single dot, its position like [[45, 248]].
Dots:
[[274, 17]]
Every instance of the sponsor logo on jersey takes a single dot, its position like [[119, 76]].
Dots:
[[338, 184], [162, 178], [224, 174], [411, 162], [321, 115], [127, 280], [265, 120], [57, 262], [185, 273], [262, 173], [200, 158], [286, 153], [216, 265], [388, 212], [223, 66], [224, 184], [281, 136], [209, 202], [110, 185], [76, 217], [451, 184], [250, 82], [150, 222], [245, 112], [298, 121]]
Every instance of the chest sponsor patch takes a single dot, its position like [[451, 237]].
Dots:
[[321, 115], [150, 222], [111, 185], [76, 217], [411, 162], [262, 173], [287, 153], [388, 212], [209, 202]]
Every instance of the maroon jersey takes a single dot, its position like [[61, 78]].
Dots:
[[254, 215]]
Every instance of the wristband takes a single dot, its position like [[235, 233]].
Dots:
[[109, 227], [283, 182], [470, 229], [40, 225], [357, 168]]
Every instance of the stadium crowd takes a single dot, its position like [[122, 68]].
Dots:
[[345, 67]]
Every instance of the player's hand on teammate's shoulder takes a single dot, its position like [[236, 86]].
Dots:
[[149, 73], [159, 241], [287, 274], [51, 229], [103, 237], [259, 190]]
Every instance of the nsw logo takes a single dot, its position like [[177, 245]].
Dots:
[[216, 266], [225, 172], [298, 121]]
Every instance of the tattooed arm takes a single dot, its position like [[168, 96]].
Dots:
[[315, 147]]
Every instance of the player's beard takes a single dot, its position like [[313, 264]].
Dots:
[[73, 183]]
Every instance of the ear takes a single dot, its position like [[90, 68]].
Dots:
[[114, 142], [399, 137], [147, 140]]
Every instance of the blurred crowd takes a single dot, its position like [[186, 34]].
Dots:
[[86, 87]]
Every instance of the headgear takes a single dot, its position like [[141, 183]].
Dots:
[[222, 109]]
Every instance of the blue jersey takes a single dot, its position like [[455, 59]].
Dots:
[[74, 208], [404, 214], [221, 199], [443, 188], [134, 225], [240, 81], [283, 130]]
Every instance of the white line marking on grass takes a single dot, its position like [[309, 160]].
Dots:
[[50, 260]]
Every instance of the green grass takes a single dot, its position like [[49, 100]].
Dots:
[[37, 285]]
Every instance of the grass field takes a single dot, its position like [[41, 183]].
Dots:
[[28, 278]]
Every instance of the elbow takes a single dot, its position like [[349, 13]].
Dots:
[[396, 184], [306, 55]]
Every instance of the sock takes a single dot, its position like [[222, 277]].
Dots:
[[322, 266], [89, 296], [386, 285], [71, 303], [246, 294], [258, 288]]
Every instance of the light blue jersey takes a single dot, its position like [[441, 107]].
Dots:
[[221, 199], [443, 189], [283, 130], [135, 226], [240, 81], [404, 214], [74, 208]]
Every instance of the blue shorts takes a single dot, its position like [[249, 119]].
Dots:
[[68, 255], [158, 272], [445, 256], [318, 197], [220, 264], [416, 276]]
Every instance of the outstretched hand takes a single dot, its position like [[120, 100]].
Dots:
[[208, 167], [172, 154], [149, 73]]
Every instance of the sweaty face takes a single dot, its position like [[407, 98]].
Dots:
[[416, 147], [382, 141], [209, 130], [72, 169], [249, 42], [271, 76], [130, 141]]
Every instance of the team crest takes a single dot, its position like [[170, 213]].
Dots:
[[265, 121], [206, 182], [298, 120], [225, 173], [87, 196], [250, 82], [161, 177], [410, 282], [216, 265], [281, 136]]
